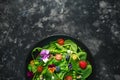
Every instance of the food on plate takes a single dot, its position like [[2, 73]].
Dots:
[[61, 59]]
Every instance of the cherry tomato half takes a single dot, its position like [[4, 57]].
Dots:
[[60, 41], [83, 64], [39, 68], [68, 78]]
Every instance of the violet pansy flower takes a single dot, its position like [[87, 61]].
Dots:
[[44, 55]]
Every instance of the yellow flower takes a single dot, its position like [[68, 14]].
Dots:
[[32, 62], [51, 68], [74, 56]]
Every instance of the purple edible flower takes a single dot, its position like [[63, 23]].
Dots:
[[44, 55], [29, 74], [51, 66]]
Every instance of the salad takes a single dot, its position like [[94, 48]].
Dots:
[[59, 60]]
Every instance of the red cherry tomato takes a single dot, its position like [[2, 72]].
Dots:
[[39, 68], [68, 78], [83, 64], [60, 41]]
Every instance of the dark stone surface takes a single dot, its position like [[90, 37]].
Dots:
[[25, 22]]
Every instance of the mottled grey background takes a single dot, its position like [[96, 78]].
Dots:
[[94, 22]]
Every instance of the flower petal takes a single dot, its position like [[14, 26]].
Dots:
[[45, 60], [43, 52], [47, 51]]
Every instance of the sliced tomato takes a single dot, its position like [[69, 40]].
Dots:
[[60, 41], [83, 64], [68, 78], [39, 68]]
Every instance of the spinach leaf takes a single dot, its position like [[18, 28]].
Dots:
[[52, 45], [61, 75], [82, 55], [60, 47], [72, 44], [87, 71], [75, 65], [37, 48]]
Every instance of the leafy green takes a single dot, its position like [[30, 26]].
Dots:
[[74, 65], [87, 71], [52, 45], [37, 48], [72, 44], [82, 55], [65, 70], [59, 47], [61, 75]]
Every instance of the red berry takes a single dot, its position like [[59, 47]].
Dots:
[[68, 78], [60, 41], [83, 64]]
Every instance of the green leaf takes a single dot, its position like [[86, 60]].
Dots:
[[46, 46], [82, 55], [48, 75], [29, 67], [34, 69], [75, 65], [72, 44], [87, 71], [37, 48], [61, 75], [52, 45], [44, 70], [59, 47]]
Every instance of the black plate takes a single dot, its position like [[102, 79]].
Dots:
[[53, 38]]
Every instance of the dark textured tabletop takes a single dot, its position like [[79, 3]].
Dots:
[[25, 22]]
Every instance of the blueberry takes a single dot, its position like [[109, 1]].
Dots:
[[57, 69], [70, 66]]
